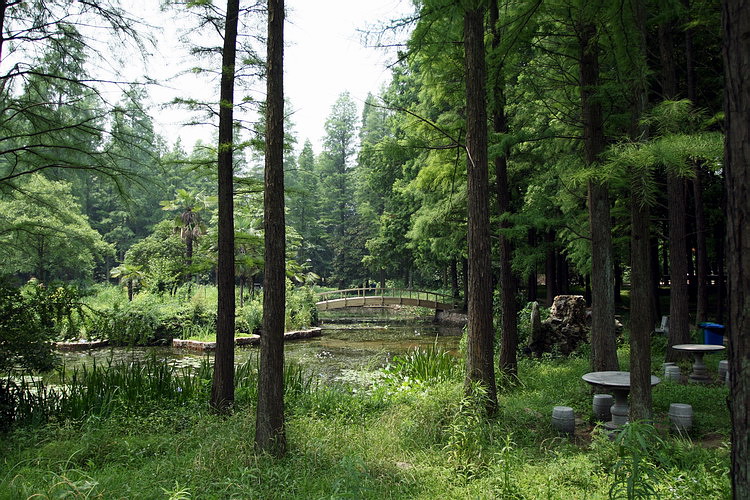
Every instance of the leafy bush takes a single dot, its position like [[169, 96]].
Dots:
[[250, 316], [301, 310], [24, 342], [151, 319]]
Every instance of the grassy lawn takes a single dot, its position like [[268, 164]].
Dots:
[[405, 438]]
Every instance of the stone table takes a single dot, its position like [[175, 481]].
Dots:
[[699, 373], [619, 384]]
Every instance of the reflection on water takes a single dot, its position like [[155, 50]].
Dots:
[[348, 343]]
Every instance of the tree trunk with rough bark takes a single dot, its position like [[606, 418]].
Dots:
[[679, 332], [678, 259], [479, 350], [532, 278], [550, 269], [736, 47], [270, 436], [222, 388], [701, 252], [603, 344], [454, 280], [640, 321], [509, 320]]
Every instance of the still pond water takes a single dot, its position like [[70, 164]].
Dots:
[[352, 342]]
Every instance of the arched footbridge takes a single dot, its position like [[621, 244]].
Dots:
[[373, 297]]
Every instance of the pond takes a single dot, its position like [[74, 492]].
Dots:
[[352, 342]]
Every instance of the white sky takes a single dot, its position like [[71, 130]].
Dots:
[[323, 57]]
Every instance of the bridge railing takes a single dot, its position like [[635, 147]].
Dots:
[[389, 292]]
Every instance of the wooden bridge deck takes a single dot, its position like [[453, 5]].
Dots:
[[362, 297]]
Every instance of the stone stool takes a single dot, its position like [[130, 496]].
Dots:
[[672, 373], [723, 369], [681, 416], [563, 419], [601, 407]]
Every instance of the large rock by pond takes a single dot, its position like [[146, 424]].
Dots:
[[564, 330]]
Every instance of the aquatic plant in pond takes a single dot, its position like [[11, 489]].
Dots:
[[422, 365]]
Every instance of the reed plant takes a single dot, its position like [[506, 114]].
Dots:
[[423, 365], [99, 389]]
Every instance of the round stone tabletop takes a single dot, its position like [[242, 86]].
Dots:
[[613, 379], [698, 347]]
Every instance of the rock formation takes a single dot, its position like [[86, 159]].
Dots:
[[564, 330]]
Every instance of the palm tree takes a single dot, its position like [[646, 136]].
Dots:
[[188, 220], [129, 274]]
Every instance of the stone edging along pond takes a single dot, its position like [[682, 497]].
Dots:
[[196, 345], [252, 340], [81, 345]]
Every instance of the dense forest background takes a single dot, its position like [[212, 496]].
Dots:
[[89, 186]]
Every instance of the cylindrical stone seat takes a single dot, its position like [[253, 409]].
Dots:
[[601, 406], [723, 369], [672, 373], [681, 416], [563, 419]]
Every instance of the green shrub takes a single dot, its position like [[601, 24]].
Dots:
[[151, 319], [301, 311], [25, 342], [250, 316]]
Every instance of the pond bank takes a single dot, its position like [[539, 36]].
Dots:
[[252, 340]]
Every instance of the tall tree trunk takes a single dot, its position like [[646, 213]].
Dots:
[[532, 281], [721, 266], [641, 300], [736, 47], [269, 424], [454, 280], [465, 272], [562, 273], [678, 258], [701, 252], [222, 389], [655, 281], [479, 352], [690, 76], [550, 271], [641, 325], [679, 332], [603, 344], [667, 60], [3, 8], [618, 282], [509, 346]]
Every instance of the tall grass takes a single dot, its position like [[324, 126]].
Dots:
[[423, 365], [99, 390], [425, 441]]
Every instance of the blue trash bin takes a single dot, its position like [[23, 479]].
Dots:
[[713, 333]]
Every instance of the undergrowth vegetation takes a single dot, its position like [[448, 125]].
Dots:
[[104, 312], [143, 430]]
